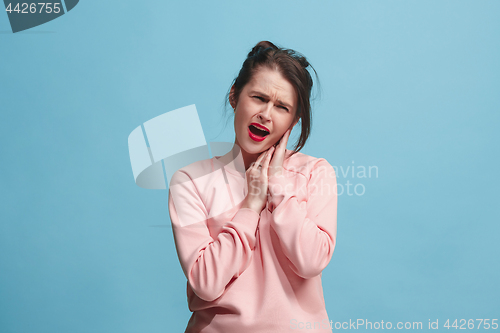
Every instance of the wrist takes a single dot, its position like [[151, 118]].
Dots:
[[246, 204]]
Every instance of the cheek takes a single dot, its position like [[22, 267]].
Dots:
[[282, 125], [236, 118], [239, 124], [241, 118]]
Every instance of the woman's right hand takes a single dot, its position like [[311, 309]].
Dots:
[[257, 180]]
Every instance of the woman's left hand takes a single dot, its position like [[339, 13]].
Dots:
[[276, 164]]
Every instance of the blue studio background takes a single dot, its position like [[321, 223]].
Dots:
[[408, 87]]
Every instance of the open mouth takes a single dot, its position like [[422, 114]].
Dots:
[[257, 131]]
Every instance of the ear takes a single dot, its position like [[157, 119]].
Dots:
[[232, 100]]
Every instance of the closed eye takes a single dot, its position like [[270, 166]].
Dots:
[[262, 99]]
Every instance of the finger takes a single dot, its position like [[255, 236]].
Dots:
[[265, 164], [255, 165], [260, 158], [284, 141], [269, 155]]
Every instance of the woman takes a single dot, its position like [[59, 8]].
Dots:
[[255, 228]]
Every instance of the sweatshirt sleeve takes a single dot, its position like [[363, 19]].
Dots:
[[307, 230], [209, 262]]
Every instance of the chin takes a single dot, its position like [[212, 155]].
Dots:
[[251, 148], [255, 150]]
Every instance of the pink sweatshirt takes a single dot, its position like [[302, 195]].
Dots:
[[248, 272]]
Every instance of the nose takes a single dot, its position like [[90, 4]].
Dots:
[[265, 113]]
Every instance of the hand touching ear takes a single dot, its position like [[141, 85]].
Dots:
[[276, 164]]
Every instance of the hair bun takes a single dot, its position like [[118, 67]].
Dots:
[[261, 46], [302, 61]]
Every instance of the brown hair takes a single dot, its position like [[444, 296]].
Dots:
[[293, 66]]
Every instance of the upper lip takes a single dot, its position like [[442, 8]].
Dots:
[[261, 127]]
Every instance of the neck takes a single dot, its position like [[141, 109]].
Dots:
[[234, 159], [240, 157], [248, 159]]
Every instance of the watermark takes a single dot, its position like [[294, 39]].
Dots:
[[181, 163], [325, 186], [25, 15], [365, 324], [358, 173]]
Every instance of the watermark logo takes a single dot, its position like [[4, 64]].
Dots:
[[175, 140], [353, 177], [25, 15]]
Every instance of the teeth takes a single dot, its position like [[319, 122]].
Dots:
[[262, 130]]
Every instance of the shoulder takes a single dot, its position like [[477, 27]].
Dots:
[[306, 165], [189, 184], [191, 172]]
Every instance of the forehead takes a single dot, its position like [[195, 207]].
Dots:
[[273, 84]]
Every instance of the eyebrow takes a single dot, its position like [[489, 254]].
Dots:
[[266, 96]]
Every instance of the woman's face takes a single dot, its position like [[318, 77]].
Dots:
[[268, 100]]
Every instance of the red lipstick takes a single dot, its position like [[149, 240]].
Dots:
[[256, 137], [262, 127]]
